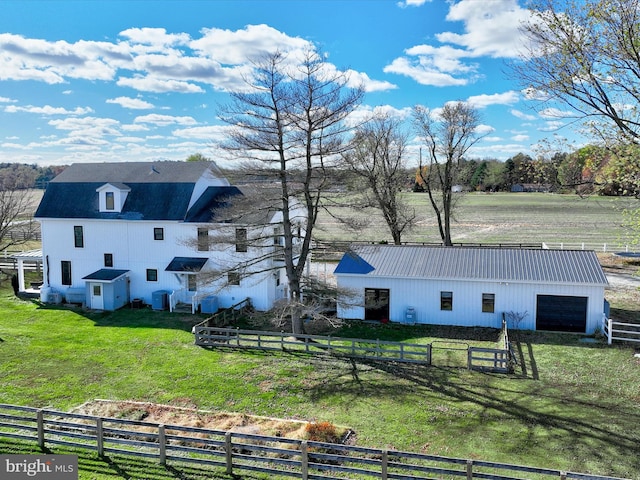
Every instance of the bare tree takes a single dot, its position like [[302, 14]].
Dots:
[[448, 135], [585, 54], [16, 215], [291, 121], [378, 159]]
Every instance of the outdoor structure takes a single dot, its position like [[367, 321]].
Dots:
[[145, 233], [560, 290]]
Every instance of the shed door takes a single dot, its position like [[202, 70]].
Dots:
[[561, 313], [376, 304], [97, 298]]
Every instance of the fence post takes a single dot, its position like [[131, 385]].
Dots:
[[563, 475], [384, 465], [228, 452], [469, 469], [40, 421], [429, 351], [162, 441], [609, 331], [469, 358], [99, 437], [304, 460]]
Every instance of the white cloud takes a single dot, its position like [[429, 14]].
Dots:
[[423, 71], [556, 113], [132, 103], [48, 110], [520, 138], [147, 84], [484, 129], [522, 115], [212, 132], [7, 100], [164, 120], [157, 37], [482, 101], [360, 78], [412, 3]]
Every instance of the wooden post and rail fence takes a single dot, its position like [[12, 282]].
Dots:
[[233, 452], [478, 358]]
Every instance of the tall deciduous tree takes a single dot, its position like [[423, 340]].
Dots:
[[16, 214], [378, 159], [448, 135], [290, 121], [585, 54]]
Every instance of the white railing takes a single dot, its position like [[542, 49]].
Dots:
[[627, 332], [598, 247]]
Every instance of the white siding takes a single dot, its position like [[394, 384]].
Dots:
[[424, 296]]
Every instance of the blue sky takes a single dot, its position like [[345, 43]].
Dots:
[[97, 81]]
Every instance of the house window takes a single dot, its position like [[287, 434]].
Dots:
[[192, 284], [446, 300], [78, 236], [203, 239], [108, 259], [65, 267], [233, 278], [488, 302], [241, 239], [152, 275], [109, 201], [158, 233]]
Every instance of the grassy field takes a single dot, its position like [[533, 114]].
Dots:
[[571, 405], [508, 218]]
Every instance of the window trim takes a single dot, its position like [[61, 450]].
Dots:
[[158, 233], [108, 260]]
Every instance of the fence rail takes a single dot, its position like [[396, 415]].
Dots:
[[232, 451], [313, 344], [627, 332], [478, 358]]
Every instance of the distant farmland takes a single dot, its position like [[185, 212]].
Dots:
[[506, 218]]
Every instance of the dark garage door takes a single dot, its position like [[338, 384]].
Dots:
[[560, 313]]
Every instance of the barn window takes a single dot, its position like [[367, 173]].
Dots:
[[108, 259], [488, 302], [158, 233], [446, 300], [192, 283]]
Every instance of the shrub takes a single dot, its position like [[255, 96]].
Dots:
[[322, 432]]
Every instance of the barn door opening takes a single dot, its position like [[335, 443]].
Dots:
[[376, 304], [561, 313]]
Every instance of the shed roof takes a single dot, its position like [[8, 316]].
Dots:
[[106, 274], [474, 263]]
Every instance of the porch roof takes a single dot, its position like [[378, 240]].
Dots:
[[106, 275], [186, 264]]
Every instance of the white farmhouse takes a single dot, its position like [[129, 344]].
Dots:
[[115, 233], [560, 290]]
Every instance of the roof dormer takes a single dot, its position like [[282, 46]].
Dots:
[[111, 197]]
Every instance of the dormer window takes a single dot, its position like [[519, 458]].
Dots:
[[111, 196]]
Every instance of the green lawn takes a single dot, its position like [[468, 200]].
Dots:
[[571, 405]]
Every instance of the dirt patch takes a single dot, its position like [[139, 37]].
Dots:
[[190, 417]]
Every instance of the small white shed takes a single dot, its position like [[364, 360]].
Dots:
[[561, 290]]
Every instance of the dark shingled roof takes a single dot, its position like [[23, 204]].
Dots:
[[74, 195], [478, 264], [106, 274]]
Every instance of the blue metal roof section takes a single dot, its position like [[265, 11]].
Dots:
[[475, 264], [213, 198], [106, 274], [351, 262]]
